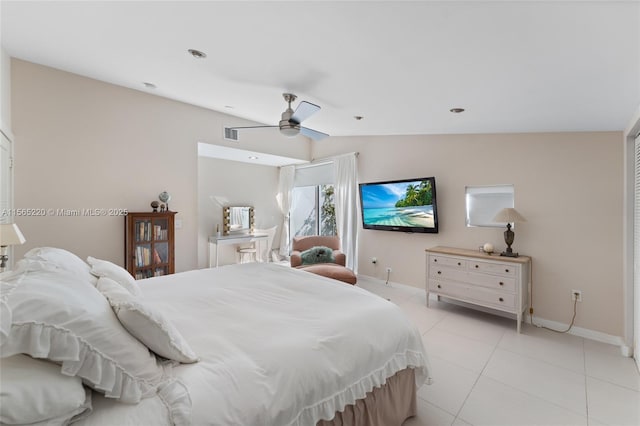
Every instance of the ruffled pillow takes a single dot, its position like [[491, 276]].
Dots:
[[34, 392], [146, 323], [57, 315], [104, 268], [62, 259]]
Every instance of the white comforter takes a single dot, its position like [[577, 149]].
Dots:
[[278, 346]]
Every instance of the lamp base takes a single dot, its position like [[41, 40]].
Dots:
[[509, 254]]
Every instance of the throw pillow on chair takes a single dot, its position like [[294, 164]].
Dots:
[[318, 254]]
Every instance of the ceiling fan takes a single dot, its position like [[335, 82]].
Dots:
[[290, 121]]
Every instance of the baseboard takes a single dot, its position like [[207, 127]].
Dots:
[[584, 332], [598, 336]]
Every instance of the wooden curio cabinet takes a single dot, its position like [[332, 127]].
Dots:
[[149, 244]]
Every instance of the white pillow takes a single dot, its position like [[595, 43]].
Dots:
[[59, 316], [61, 259], [146, 323], [104, 268], [33, 391]]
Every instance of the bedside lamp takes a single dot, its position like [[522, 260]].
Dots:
[[9, 235], [509, 216]]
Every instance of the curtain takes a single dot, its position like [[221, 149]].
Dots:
[[346, 202], [285, 187]]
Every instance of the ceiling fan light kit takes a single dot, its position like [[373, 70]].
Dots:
[[290, 120], [288, 130]]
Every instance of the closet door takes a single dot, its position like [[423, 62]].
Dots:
[[636, 256]]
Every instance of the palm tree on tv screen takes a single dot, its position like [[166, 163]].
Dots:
[[421, 195]]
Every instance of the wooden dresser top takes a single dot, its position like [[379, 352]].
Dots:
[[477, 254]]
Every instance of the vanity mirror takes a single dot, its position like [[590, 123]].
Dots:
[[238, 220]]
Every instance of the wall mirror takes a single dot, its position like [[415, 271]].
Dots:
[[484, 202], [238, 220]]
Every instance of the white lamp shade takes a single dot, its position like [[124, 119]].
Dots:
[[509, 215], [10, 235]]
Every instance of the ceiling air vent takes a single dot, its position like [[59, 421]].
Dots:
[[230, 134]]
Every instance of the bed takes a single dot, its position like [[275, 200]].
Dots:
[[272, 345]]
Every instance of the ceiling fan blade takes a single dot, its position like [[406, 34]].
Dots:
[[304, 111], [249, 127], [313, 134]]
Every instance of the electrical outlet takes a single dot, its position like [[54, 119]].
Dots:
[[576, 295], [388, 270], [374, 260]]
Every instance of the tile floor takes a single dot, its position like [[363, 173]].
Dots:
[[484, 373]]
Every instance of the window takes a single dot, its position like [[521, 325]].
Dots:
[[312, 205], [484, 202], [313, 211]]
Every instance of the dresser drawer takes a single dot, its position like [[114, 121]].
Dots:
[[492, 281], [448, 261], [493, 268], [446, 273], [485, 280], [474, 294]]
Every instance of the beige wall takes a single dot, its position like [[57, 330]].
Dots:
[[222, 182], [5, 91], [569, 186], [81, 143]]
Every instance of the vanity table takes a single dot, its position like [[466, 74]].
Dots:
[[216, 241]]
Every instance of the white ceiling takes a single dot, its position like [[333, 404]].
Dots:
[[515, 66]]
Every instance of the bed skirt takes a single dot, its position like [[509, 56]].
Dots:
[[388, 405]]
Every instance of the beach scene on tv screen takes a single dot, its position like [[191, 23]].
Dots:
[[398, 204]]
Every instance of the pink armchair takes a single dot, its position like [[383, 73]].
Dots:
[[335, 270], [301, 244]]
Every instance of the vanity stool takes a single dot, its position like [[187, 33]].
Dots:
[[247, 254]]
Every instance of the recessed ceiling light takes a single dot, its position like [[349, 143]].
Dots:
[[253, 157], [197, 54], [457, 110], [358, 117], [149, 85]]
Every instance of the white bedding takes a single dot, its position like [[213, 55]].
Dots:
[[278, 346]]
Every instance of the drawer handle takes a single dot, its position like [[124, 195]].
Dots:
[[477, 266], [459, 263], [435, 260], [506, 270], [439, 286], [439, 272], [501, 299], [501, 283]]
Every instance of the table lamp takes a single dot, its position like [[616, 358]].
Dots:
[[9, 235], [509, 215]]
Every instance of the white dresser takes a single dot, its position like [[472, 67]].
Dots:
[[474, 277]]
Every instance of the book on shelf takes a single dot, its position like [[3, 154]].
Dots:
[[148, 273], [144, 231], [159, 233], [156, 257], [143, 256]]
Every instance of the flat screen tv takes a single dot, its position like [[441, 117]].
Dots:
[[407, 205]]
